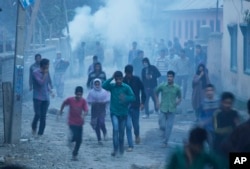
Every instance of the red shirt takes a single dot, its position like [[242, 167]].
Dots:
[[76, 107]]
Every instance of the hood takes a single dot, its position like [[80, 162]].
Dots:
[[99, 87]]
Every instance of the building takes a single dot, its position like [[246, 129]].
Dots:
[[185, 17], [235, 70]]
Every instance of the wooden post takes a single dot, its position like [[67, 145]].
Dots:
[[17, 91], [7, 109]]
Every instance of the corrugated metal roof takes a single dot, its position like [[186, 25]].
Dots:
[[182, 5]]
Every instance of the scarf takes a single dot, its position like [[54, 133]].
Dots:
[[98, 94]]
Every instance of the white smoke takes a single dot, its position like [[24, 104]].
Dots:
[[118, 21]]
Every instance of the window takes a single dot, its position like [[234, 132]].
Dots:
[[180, 30], [174, 28], [212, 25], [186, 29], [198, 25], [233, 31], [191, 29], [245, 29], [218, 26], [204, 22]]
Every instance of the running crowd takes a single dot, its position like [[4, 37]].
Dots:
[[166, 83]]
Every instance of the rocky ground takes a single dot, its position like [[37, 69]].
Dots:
[[50, 151]]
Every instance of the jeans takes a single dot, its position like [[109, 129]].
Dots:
[[119, 123], [132, 119], [100, 126], [182, 81], [149, 93], [76, 132], [40, 108], [169, 123]]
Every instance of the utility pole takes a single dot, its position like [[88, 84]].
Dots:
[[217, 16], [17, 92]]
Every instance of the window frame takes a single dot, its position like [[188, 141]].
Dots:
[[233, 32], [245, 30]]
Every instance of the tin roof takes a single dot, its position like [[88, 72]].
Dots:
[[186, 5]]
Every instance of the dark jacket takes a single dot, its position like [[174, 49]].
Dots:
[[239, 140], [154, 72], [93, 75], [136, 85]]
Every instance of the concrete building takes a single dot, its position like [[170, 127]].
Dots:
[[235, 59], [185, 17]]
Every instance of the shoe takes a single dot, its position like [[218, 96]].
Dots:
[[145, 116], [100, 143], [74, 158], [113, 154], [130, 149], [137, 140]]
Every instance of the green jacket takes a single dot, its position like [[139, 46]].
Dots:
[[121, 97], [178, 160]]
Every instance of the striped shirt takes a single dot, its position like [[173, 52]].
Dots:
[[161, 64], [207, 111], [172, 62], [41, 88]]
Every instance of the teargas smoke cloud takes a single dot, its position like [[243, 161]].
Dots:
[[118, 21]]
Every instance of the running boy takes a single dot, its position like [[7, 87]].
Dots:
[[77, 105]]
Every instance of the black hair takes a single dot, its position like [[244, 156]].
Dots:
[[97, 63], [44, 62], [79, 89], [134, 43], [198, 46], [129, 69], [38, 55], [13, 167], [227, 95], [197, 136], [170, 72], [118, 74], [198, 68], [210, 86], [146, 60], [248, 106], [95, 57]]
